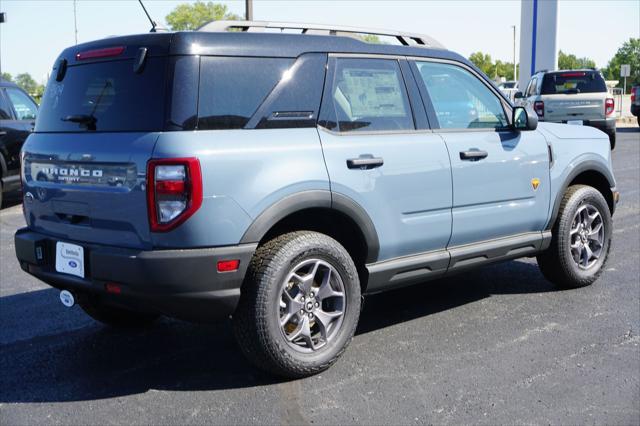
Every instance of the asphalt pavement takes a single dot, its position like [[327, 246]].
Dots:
[[497, 346]]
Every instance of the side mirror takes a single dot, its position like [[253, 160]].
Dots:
[[518, 95], [523, 119]]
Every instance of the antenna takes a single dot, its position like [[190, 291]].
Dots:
[[154, 26]]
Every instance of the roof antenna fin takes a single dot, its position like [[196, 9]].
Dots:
[[154, 26]]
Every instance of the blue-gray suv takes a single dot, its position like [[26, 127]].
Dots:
[[279, 177]]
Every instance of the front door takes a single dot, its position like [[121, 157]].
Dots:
[[500, 176]]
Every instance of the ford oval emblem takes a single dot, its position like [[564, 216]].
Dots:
[[73, 264], [28, 198]]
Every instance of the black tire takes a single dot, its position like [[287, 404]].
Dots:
[[557, 262], [114, 316], [256, 320]]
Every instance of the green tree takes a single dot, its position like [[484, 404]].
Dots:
[[7, 76], [193, 16], [628, 53], [27, 82], [571, 62], [484, 62]]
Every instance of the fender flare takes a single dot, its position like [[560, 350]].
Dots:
[[315, 199], [585, 166]]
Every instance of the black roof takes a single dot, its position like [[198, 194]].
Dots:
[[252, 44]]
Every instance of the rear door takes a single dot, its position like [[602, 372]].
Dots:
[[500, 176], [85, 165], [12, 135], [377, 155]]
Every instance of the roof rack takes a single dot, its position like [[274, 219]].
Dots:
[[406, 39]]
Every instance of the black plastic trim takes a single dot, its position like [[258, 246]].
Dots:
[[315, 199], [585, 166]]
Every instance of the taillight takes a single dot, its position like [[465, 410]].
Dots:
[[538, 107], [609, 106], [174, 191], [634, 92]]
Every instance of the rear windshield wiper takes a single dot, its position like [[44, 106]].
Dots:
[[88, 120]]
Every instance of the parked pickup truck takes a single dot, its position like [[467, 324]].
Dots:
[[279, 177]]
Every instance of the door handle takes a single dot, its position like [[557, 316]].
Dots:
[[2, 133], [473, 154], [365, 162]]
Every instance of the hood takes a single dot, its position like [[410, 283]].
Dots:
[[569, 131]]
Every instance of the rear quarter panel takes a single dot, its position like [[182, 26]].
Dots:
[[243, 172]]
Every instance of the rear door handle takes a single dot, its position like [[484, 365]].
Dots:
[[473, 154], [365, 162]]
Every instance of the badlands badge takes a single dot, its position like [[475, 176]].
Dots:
[[535, 183]]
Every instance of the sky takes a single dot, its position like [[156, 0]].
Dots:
[[37, 31]]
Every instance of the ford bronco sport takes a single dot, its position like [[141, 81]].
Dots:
[[577, 97], [277, 178]]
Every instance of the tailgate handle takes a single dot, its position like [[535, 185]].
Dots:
[[73, 219]]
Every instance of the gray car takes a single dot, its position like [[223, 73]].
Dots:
[[279, 177]]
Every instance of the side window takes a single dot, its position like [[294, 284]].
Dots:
[[460, 100], [5, 108], [232, 89], [24, 107], [531, 89], [370, 95]]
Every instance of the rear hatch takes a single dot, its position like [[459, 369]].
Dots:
[[85, 165], [574, 95]]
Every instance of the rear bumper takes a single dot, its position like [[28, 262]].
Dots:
[[607, 125], [179, 283]]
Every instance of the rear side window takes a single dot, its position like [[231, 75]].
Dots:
[[105, 96], [573, 82], [232, 89], [5, 109], [370, 95]]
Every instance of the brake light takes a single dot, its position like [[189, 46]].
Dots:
[[538, 107], [106, 52], [634, 93], [573, 74], [609, 106], [174, 191]]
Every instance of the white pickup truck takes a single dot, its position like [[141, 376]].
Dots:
[[574, 97]]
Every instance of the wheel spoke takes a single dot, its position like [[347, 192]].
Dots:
[[325, 319], [591, 217], [325, 290], [595, 230]]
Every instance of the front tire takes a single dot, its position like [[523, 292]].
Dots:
[[299, 306], [581, 239]]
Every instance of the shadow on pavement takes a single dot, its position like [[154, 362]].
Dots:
[[59, 359]]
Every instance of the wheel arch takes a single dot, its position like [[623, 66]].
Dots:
[[319, 210], [590, 173]]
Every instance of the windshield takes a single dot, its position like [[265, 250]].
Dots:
[[105, 96], [572, 82]]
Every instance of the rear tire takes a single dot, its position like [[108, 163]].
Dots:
[[581, 239], [114, 316], [299, 306]]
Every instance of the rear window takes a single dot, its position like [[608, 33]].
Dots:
[[573, 82], [232, 89], [105, 96]]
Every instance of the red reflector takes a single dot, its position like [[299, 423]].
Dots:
[[228, 265], [538, 107], [100, 53], [573, 74], [113, 288], [170, 187]]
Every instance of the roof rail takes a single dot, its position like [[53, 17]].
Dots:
[[406, 39]]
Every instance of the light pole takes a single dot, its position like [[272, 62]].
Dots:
[[515, 77], [248, 10], [75, 21]]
